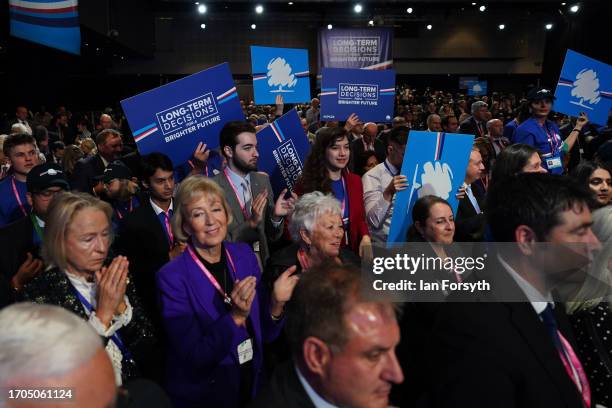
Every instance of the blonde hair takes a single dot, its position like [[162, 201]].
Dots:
[[88, 146], [62, 210], [190, 189]]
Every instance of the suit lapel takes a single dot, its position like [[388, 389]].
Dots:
[[230, 196], [150, 218]]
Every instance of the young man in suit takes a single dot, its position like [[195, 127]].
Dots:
[[87, 170], [146, 236], [343, 346], [513, 346], [470, 220], [257, 219]]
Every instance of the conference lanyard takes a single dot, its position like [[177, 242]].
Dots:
[[303, 259], [575, 370], [37, 228], [240, 202], [115, 337], [16, 193], [129, 211], [226, 298], [389, 169], [552, 141]]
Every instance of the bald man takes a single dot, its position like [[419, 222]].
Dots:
[[368, 141], [312, 114]]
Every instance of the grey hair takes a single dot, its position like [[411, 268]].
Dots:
[[490, 123], [308, 209], [18, 128], [597, 286], [430, 118], [477, 105], [42, 341]]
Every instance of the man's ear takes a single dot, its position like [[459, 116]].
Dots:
[[228, 151], [29, 198], [525, 237], [317, 355]]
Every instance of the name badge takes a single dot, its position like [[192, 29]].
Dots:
[[245, 351], [553, 162]]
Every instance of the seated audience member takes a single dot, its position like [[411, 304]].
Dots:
[[256, 219], [591, 315], [515, 159], [513, 345], [343, 346], [75, 246], [325, 170], [215, 310], [450, 124], [470, 221], [475, 124], [146, 237], [368, 142], [369, 161], [43, 347], [21, 240], [597, 177], [120, 190], [434, 123], [56, 152], [317, 233], [83, 131], [543, 134], [20, 149], [86, 170], [22, 116], [382, 182], [72, 154]]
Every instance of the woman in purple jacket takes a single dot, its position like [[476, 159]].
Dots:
[[215, 310]]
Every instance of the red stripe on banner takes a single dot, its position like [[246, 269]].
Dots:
[[45, 11]]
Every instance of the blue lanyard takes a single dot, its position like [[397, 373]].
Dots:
[[389, 169], [115, 337]]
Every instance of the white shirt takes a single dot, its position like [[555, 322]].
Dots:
[[316, 399], [40, 222], [378, 210], [89, 291], [537, 300], [158, 209]]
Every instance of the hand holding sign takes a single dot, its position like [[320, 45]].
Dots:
[[284, 206], [397, 183]]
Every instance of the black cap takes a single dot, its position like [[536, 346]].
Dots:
[[538, 94], [115, 170], [46, 175]]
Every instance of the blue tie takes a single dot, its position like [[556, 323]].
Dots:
[[548, 318]]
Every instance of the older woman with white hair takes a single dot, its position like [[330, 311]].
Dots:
[[591, 315], [83, 280], [317, 231]]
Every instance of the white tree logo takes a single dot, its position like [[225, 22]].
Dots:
[[477, 87], [437, 179], [586, 88], [279, 74]]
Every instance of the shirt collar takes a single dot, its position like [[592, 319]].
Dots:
[[104, 161], [316, 399], [391, 168], [532, 294], [158, 209], [40, 222], [236, 179]]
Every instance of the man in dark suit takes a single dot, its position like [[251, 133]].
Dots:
[[21, 240], [513, 347], [257, 219], [470, 219], [368, 141], [86, 170], [146, 236], [21, 117], [476, 124], [343, 345]]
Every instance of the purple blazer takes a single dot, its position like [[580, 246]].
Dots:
[[202, 368]]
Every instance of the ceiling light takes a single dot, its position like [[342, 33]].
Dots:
[[329, 26], [575, 8], [259, 9], [202, 9], [253, 26], [501, 26], [358, 8], [429, 26], [371, 22], [290, 3], [549, 26], [482, 8], [202, 26], [409, 10]]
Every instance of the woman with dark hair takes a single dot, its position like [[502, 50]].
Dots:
[[597, 176], [515, 159], [366, 162], [326, 170]]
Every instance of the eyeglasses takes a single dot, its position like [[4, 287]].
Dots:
[[48, 193]]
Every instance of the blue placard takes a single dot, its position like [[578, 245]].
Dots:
[[175, 117], [476, 87], [585, 85], [464, 81], [280, 71], [368, 93], [434, 164], [365, 48], [283, 147]]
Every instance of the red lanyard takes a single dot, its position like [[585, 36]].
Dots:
[[168, 228], [579, 379], [129, 211], [209, 275], [303, 259], [240, 202], [16, 193]]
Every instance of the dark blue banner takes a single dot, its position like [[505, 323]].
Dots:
[[363, 48]]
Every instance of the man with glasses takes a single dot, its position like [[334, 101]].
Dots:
[[86, 171], [20, 241]]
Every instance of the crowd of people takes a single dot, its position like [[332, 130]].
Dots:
[[133, 279]]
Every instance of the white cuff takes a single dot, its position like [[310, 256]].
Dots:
[[117, 322]]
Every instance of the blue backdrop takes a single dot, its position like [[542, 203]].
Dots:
[[175, 117], [434, 164], [280, 71]]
